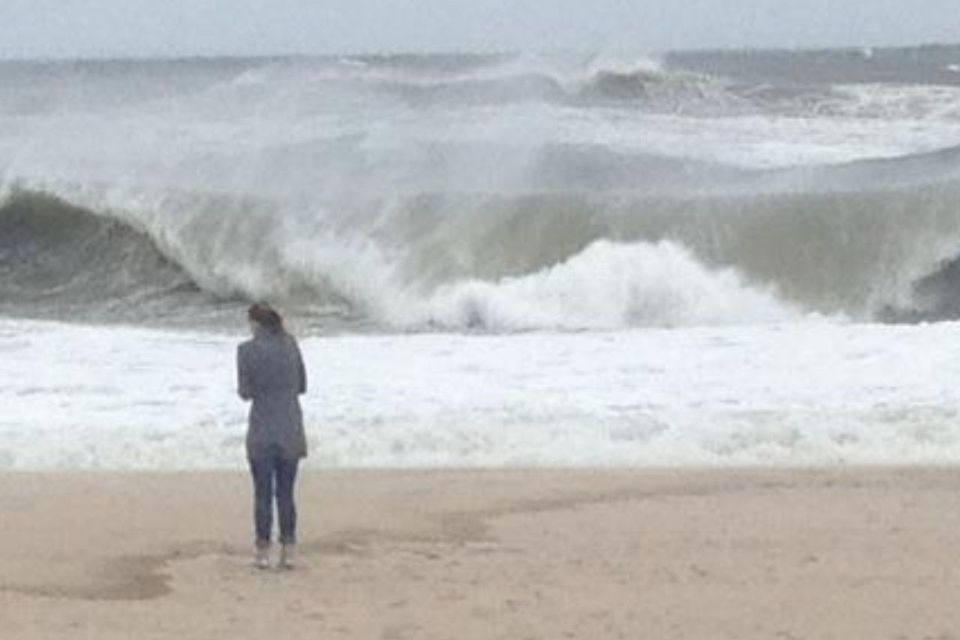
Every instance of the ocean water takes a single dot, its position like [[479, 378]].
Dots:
[[813, 393], [698, 259]]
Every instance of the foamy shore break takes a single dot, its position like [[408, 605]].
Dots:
[[488, 554], [810, 394]]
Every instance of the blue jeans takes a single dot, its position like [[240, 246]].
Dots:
[[274, 476]]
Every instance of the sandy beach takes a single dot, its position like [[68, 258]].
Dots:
[[488, 554]]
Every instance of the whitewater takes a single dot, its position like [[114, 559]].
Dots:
[[699, 259], [798, 394]]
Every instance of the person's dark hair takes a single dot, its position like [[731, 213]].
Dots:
[[265, 316]]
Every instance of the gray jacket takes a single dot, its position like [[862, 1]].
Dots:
[[270, 372]]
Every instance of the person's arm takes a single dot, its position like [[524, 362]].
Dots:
[[301, 368], [243, 375]]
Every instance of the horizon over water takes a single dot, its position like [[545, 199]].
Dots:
[[921, 46], [707, 257]]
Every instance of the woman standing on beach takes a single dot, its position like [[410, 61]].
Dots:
[[270, 372]]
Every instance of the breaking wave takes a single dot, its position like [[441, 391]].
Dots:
[[585, 259], [62, 261], [469, 192]]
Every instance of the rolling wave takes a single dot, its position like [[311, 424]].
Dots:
[[62, 261], [475, 192], [33, 88], [558, 258]]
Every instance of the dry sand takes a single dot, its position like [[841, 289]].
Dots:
[[843, 554]]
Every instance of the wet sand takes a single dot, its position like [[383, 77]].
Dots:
[[846, 554]]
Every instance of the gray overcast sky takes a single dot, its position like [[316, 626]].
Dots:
[[81, 28]]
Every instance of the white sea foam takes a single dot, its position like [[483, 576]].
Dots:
[[788, 394], [607, 286]]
